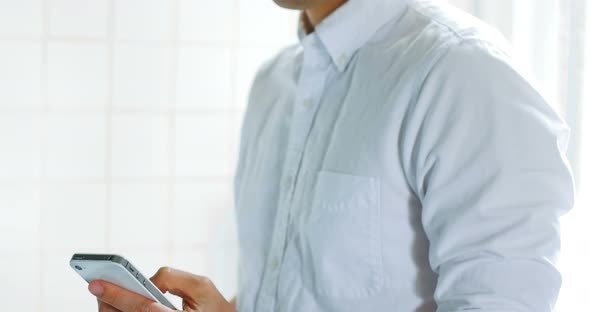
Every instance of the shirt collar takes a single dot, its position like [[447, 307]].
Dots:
[[352, 25]]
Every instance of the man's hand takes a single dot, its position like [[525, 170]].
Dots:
[[198, 294]]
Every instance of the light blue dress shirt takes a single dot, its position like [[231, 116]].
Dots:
[[395, 160]]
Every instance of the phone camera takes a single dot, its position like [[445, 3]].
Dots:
[[79, 268]]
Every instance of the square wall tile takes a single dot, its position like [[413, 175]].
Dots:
[[20, 141], [63, 288], [203, 214], [196, 260], [78, 75], [139, 215], [85, 18], [140, 145], [76, 146], [21, 273], [143, 19], [279, 26], [204, 78], [203, 20], [73, 217], [20, 74], [20, 221], [203, 145], [141, 77], [21, 18], [250, 60]]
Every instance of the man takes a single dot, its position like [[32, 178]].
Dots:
[[393, 160]]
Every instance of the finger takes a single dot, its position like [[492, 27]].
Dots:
[[104, 307], [122, 299], [183, 284], [158, 279]]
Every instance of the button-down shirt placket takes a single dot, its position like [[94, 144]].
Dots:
[[314, 73]]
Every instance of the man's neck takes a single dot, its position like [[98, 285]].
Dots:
[[317, 14]]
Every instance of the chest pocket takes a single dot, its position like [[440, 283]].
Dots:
[[343, 235]]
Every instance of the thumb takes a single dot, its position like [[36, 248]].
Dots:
[[122, 299]]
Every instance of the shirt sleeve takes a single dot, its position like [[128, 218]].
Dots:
[[490, 170]]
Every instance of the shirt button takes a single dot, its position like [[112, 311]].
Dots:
[[274, 265], [288, 182], [342, 60], [308, 103]]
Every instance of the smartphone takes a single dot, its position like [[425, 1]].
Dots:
[[119, 271]]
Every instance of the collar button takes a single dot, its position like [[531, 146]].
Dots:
[[342, 60]]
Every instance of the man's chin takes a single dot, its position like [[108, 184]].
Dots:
[[298, 4]]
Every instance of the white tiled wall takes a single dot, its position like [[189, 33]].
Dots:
[[203, 20], [83, 18], [141, 76], [21, 18], [120, 118], [20, 76], [143, 19], [211, 65], [78, 75]]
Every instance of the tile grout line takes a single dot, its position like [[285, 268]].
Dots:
[[116, 110], [234, 65], [172, 99], [142, 180], [108, 142], [43, 148], [144, 42], [233, 124]]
